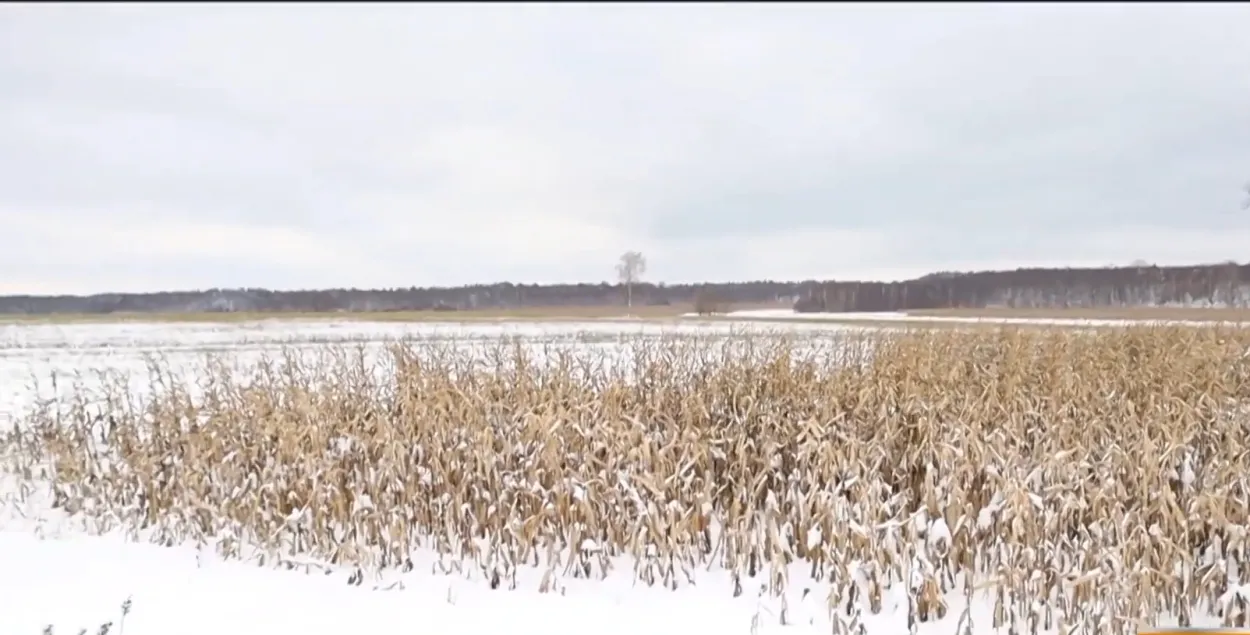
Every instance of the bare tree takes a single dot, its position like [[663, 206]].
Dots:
[[629, 270]]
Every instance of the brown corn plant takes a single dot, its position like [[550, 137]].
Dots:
[[1082, 480]]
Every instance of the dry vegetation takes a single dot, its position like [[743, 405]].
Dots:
[[1159, 313], [532, 313], [1081, 481]]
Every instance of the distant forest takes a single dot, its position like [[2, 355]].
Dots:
[[1226, 284]]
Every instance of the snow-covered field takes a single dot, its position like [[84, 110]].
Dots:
[[33, 357], [52, 572], [784, 315]]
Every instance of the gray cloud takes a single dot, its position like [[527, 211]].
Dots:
[[174, 146]]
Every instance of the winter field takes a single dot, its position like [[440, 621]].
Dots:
[[785, 476]]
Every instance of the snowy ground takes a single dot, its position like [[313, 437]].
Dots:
[[782, 315], [33, 357], [53, 572]]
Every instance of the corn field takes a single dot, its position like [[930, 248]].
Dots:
[[1080, 482]]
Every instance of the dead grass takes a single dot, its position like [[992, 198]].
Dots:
[[1119, 313], [1086, 479], [545, 314], [889, 325]]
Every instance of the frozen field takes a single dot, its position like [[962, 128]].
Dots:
[[53, 572], [786, 315], [34, 357]]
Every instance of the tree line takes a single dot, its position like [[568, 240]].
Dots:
[[504, 295], [1225, 284]]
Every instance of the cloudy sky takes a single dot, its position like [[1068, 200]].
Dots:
[[147, 147]]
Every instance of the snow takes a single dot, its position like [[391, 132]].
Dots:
[[34, 356], [782, 315], [55, 572], [166, 337], [76, 582], [51, 575]]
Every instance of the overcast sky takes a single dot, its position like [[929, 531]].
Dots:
[[148, 147]]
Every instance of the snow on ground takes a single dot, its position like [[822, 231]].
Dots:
[[781, 315], [55, 573], [167, 337], [52, 573], [34, 356], [75, 582]]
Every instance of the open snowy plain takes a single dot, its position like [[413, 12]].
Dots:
[[55, 571]]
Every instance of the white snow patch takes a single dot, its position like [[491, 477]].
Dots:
[[789, 314]]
